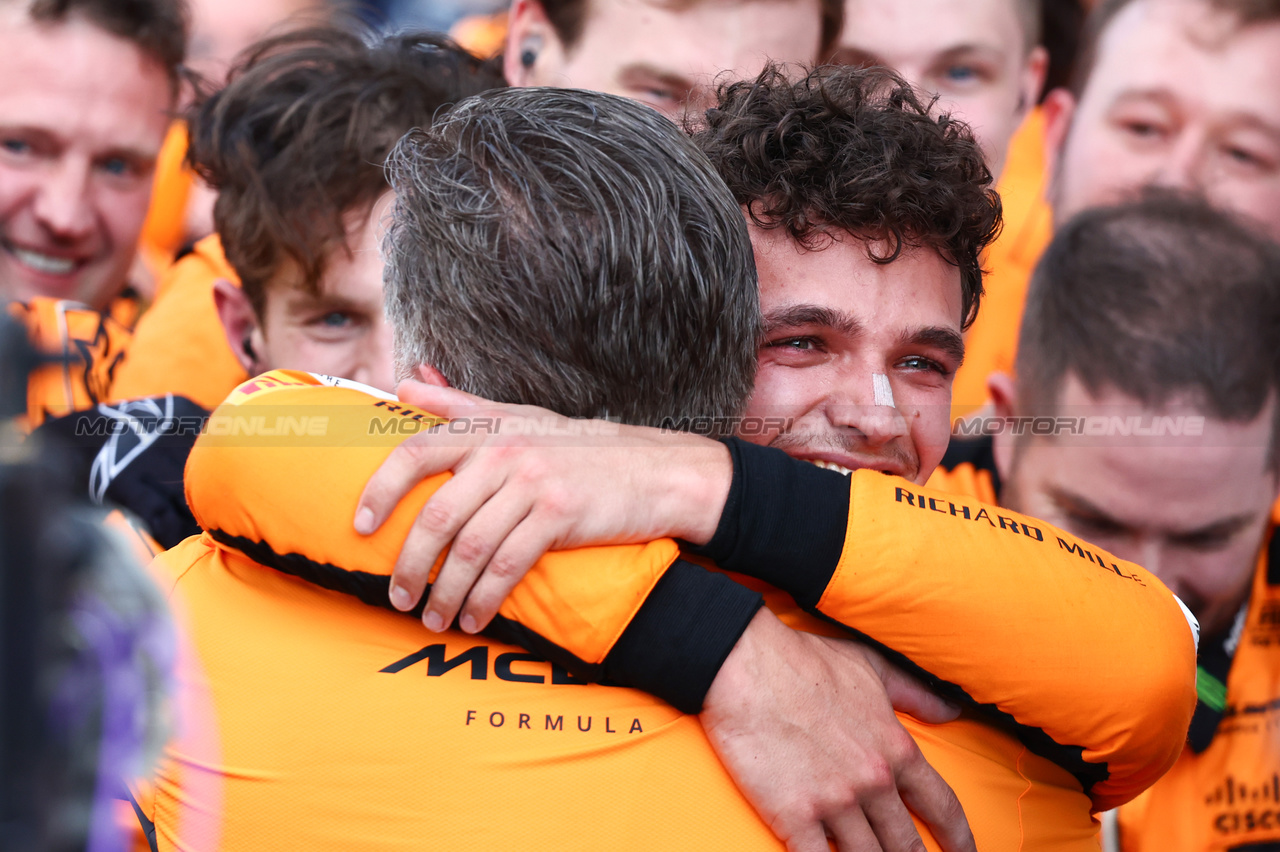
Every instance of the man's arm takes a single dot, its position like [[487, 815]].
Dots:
[[1030, 624], [636, 614]]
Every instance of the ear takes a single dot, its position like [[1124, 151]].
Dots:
[[531, 35], [240, 324], [1033, 71], [1059, 108], [1003, 391], [429, 375]]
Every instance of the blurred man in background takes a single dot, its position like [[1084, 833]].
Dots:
[[1149, 344], [88, 90], [667, 56]]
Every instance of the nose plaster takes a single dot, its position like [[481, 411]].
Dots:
[[883, 390]]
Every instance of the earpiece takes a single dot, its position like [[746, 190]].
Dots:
[[528, 56]]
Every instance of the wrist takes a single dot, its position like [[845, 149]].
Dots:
[[693, 496]]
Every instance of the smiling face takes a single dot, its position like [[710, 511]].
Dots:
[[1179, 96], [664, 55], [340, 331], [973, 54], [1193, 511], [834, 321], [82, 117]]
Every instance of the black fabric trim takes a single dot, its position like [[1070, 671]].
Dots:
[[148, 827], [672, 649], [680, 637], [1273, 560], [784, 521], [979, 452]]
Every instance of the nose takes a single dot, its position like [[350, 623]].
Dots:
[[1184, 163], [863, 402], [62, 204]]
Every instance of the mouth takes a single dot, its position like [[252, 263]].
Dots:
[[850, 465], [41, 262]]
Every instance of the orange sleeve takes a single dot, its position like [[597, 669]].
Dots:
[[1089, 655], [296, 456], [86, 348], [179, 346]]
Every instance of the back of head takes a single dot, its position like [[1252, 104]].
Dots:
[[574, 250], [1164, 299], [855, 150], [297, 139], [158, 28], [1244, 12]]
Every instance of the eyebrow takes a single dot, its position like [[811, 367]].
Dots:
[[948, 340], [857, 56], [1081, 505], [794, 316], [667, 78]]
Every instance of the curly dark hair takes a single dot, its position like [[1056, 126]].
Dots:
[[855, 150], [297, 139]]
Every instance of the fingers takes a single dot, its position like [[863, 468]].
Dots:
[[476, 543], [408, 464], [932, 800], [908, 695], [440, 401], [891, 822], [513, 559], [810, 837], [852, 833], [436, 525]]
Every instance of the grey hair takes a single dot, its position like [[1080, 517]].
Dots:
[[573, 250]]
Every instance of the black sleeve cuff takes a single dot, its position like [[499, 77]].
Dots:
[[680, 637], [784, 521]]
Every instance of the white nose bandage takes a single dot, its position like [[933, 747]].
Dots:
[[883, 390]]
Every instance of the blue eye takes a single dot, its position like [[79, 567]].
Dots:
[[16, 146], [918, 362], [335, 319], [961, 73], [117, 167]]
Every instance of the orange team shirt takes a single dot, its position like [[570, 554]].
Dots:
[[323, 722], [165, 227], [86, 347], [992, 341], [1227, 796], [179, 346]]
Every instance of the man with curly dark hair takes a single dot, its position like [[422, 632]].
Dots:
[[867, 216], [868, 221]]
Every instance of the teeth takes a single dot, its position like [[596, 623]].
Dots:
[[44, 263], [826, 465]]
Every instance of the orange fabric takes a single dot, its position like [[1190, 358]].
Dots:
[[165, 227], [483, 35], [975, 576], [1227, 797], [992, 341], [288, 667], [88, 347], [179, 346]]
